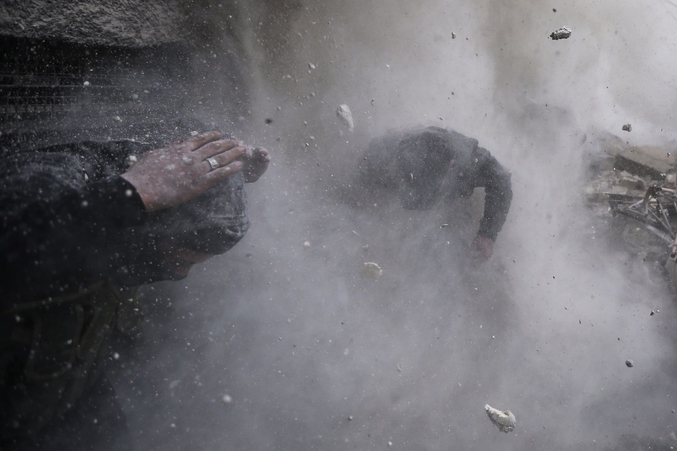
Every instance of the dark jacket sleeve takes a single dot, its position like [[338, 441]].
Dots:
[[58, 243], [495, 179]]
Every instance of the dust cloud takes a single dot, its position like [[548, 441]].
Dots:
[[281, 345]]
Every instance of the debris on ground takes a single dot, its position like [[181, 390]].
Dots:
[[503, 419], [343, 112], [371, 270], [620, 174], [560, 33], [627, 127], [617, 168]]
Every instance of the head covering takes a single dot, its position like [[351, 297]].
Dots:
[[423, 159], [211, 223]]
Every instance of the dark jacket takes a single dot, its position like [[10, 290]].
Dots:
[[68, 219], [388, 162], [74, 235]]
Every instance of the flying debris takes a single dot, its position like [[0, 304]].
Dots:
[[504, 420], [343, 112], [371, 270], [629, 363], [560, 33], [627, 128]]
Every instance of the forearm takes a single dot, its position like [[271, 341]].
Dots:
[[496, 206], [497, 184]]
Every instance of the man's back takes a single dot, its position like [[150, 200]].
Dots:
[[423, 165]]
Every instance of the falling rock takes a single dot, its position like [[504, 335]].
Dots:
[[343, 112], [503, 419], [371, 270], [560, 33], [627, 128], [629, 363]]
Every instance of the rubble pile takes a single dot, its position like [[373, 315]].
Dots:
[[620, 171]]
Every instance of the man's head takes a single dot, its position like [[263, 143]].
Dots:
[[423, 161], [173, 240]]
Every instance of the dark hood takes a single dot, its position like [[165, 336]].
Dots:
[[423, 159]]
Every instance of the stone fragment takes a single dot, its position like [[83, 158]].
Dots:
[[631, 181], [343, 113], [504, 420], [560, 33], [371, 270], [646, 161]]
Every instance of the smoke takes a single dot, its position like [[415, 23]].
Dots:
[[281, 345]]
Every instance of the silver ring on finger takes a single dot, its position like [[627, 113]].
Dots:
[[213, 164]]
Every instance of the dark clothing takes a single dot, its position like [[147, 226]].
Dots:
[[97, 419], [400, 162], [74, 235], [53, 354], [68, 220], [61, 227]]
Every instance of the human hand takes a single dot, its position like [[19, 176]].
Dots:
[[481, 249], [181, 171], [255, 164]]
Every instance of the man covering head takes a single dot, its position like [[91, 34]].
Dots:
[[423, 165], [80, 229]]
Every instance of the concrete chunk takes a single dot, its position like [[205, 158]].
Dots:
[[649, 161]]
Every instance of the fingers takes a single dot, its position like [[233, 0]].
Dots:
[[215, 148], [219, 174], [257, 154], [197, 141], [262, 153], [223, 159]]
